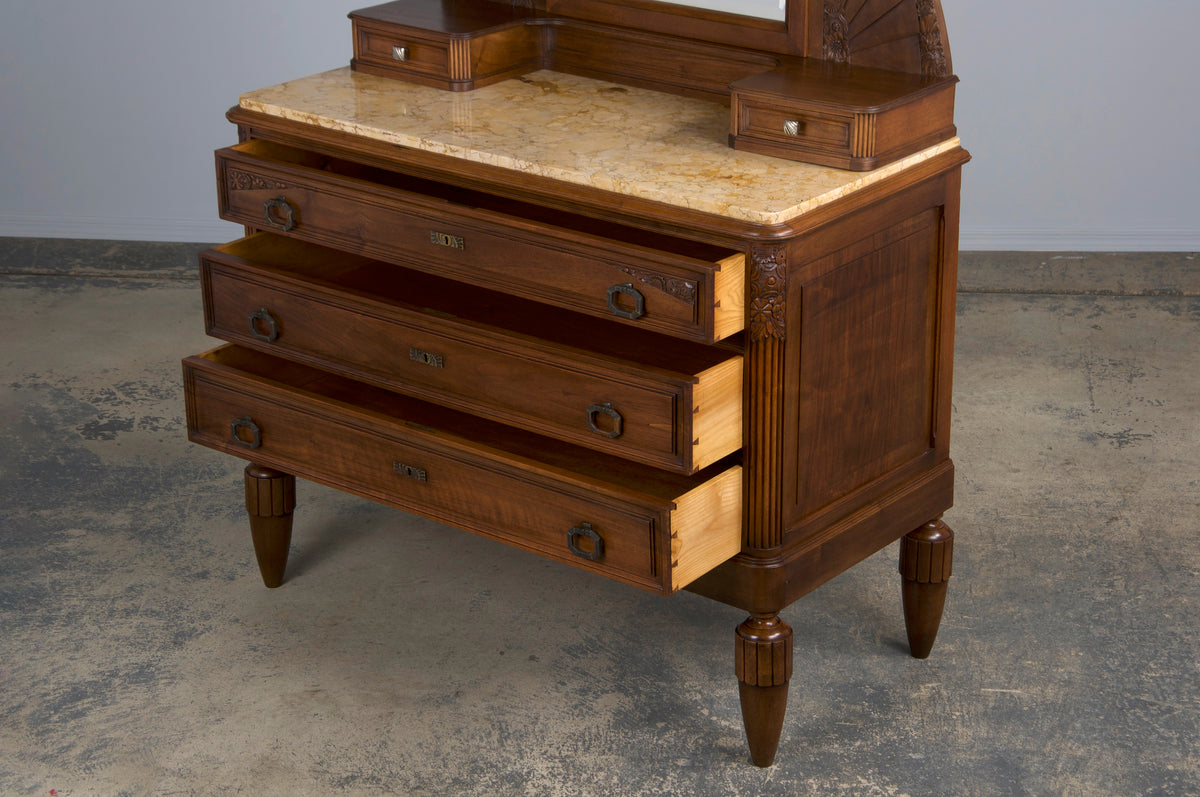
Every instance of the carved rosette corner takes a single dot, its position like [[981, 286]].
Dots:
[[767, 303], [836, 38], [933, 56], [768, 289]]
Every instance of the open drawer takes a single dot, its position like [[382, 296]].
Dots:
[[650, 398], [649, 280], [635, 524]]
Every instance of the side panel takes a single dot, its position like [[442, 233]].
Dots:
[[864, 365]]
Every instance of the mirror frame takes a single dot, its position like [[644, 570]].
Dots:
[[791, 37]]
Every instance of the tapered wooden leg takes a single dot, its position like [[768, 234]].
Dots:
[[270, 501], [763, 662], [926, 555]]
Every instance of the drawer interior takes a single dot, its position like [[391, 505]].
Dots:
[[468, 198], [395, 286], [600, 472]]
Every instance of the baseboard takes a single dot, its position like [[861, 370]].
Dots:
[[1078, 240], [17, 225]]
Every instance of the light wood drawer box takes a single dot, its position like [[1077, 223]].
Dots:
[[649, 398], [632, 523], [648, 280]]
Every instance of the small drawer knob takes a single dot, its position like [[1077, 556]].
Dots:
[[592, 549], [793, 127], [399, 53]]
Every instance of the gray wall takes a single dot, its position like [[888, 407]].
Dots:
[[1082, 115]]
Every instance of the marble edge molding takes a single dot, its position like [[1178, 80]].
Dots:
[[630, 141]]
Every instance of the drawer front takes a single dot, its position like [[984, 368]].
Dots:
[[406, 466], [799, 127], [680, 421], [648, 288], [405, 53], [457, 63]]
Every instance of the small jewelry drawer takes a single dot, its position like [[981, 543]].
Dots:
[[797, 126], [648, 398], [647, 280], [635, 524], [459, 52], [410, 54], [848, 117]]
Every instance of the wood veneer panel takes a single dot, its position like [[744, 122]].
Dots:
[[659, 531], [866, 363]]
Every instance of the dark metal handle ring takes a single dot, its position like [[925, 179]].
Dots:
[[280, 213], [581, 531], [596, 410], [245, 423], [270, 327], [639, 301]]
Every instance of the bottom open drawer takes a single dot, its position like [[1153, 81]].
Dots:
[[632, 523]]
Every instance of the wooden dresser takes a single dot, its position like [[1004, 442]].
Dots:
[[559, 311]]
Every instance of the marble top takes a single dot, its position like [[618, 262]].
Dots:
[[630, 141]]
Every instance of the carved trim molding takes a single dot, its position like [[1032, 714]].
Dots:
[[244, 181], [768, 290], [681, 289], [836, 39], [933, 57]]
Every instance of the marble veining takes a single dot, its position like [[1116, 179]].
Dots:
[[630, 141]]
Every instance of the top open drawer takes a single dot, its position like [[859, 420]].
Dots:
[[657, 282]]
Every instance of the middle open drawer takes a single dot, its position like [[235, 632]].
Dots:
[[645, 397]]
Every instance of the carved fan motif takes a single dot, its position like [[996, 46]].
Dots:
[[907, 35]]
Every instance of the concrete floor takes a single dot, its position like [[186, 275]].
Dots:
[[140, 653]]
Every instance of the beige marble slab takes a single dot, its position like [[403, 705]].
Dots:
[[631, 141]]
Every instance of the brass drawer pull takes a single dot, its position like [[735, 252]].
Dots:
[[416, 474], [280, 213], [268, 329], [596, 410], [595, 550], [399, 53], [238, 426], [639, 301]]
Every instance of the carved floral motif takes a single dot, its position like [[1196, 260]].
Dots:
[[933, 57], [244, 181], [681, 289], [837, 32], [768, 289]]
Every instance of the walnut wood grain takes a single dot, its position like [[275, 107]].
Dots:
[[659, 530], [765, 411], [478, 238], [270, 503], [926, 562], [834, 329], [763, 665], [673, 404], [679, 48]]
